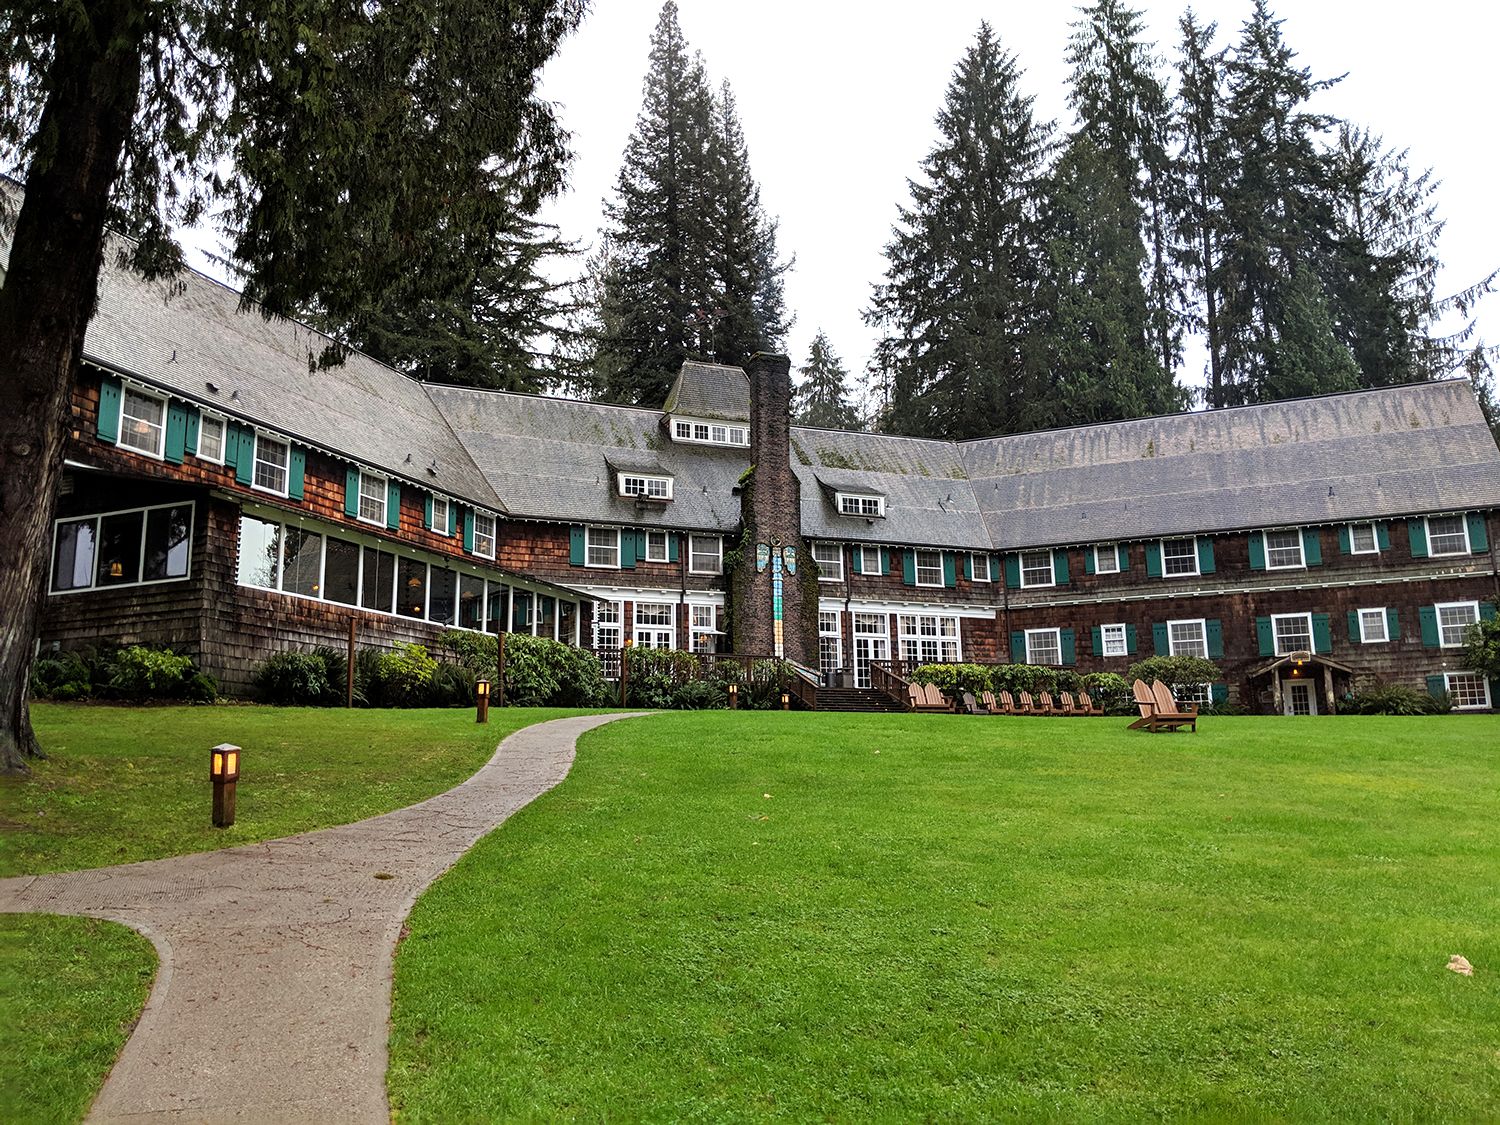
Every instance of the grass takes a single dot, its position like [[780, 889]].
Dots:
[[737, 916], [127, 783], [71, 990]]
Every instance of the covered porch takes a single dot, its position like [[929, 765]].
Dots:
[[1301, 683]]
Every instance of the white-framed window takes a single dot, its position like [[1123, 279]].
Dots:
[[1044, 646], [1363, 539], [1447, 535], [1194, 693], [929, 568], [1179, 557], [1454, 619], [830, 560], [655, 625], [710, 433], [143, 421], [1106, 558], [643, 487], [1188, 638], [980, 567], [1284, 550], [703, 622], [372, 498], [211, 438], [861, 504], [484, 535], [830, 643], [739, 435], [1036, 569], [440, 515], [1293, 632], [656, 546], [928, 638], [126, 548], [607, 635], [1372, 626], [869, 560], [602, 547], [1114, 640], [272, 456], [1468, 691], [705, 554]]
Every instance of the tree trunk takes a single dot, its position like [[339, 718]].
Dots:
[[45, 305]]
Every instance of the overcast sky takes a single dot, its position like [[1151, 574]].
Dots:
[[838, 101]]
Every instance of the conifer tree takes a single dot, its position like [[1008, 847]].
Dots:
[[961, 304], [822, 398]]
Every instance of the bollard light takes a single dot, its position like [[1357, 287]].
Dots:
[[786, 701], [482, 700], [734, 697], [224, 773]]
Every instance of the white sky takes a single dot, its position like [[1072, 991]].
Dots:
[[838, 100]]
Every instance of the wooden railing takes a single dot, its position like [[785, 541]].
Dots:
[[888, 676], [796, 681]]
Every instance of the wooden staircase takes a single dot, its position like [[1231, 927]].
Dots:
[[856, 700]]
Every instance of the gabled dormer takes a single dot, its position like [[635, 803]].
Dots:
[[709, 404]]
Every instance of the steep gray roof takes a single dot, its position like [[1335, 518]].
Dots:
[[710, 390], [1369, 454]]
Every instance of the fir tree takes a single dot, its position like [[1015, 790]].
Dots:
[[822, 397], [961, 302]]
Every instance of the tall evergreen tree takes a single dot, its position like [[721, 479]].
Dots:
[[961, 304], [822, 398]]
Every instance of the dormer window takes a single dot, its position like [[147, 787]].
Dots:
[[710, 433], [861, 504], [642, 487]]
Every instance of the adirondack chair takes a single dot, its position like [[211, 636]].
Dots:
[[1166, 704], [1044, 704], [926, 697], [1028, 706], [987, 701], [1087, 706], [1008, 704], [1153, 717], [1065, 705], [970, 705]]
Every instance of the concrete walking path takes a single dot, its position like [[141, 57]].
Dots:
[[272, 1000]]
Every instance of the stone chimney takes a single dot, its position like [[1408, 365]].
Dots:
[[771, 509]]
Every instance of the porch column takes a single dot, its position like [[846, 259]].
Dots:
[[1328, 689], [1276, 690]]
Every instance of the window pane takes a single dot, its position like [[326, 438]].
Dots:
[[521, 622], [484, 535], [1179, 556], [168, 534], [411, 588], [1372, 625], [499, 601], [929, 568], [270, 463], [1446, 535], [302, 562], [603, 547], [442, 598], [341, 571], [260, 548], [1114, 640], [1362, 538], [1468, 690], [73, 557], [120, 549], [471, 601], [141, 422], [372, 497], [1454, 622], [1043, 646], [1293, 633], [379, 580], [1188, 639], [705, 554], [1106, 559], [1036, 568], [211, 439]]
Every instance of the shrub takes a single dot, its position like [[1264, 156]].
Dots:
[[293, 679], [1381, 698], [475, 652], [451, 686], [139, 672], [1482, 648], [1016, 678], [656, 673], [404, 676], [954, 679], [541, 672], [699, 695], [1177, 672], [581, 677], [1112, 692], [201, 688], [62, 676]]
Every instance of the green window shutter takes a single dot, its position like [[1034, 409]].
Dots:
[[351, 492], [672, 541], [1437, 686], [392, 505], [950, 569], [176, 437], [244, 460], [1257, 550], [1486, 611], [1132, 645], [1068, 642], [856, 560], [1013, 571], [1088, 560], [909, 567], [1018, 647], [628, 548], [468, 531], [296, 472], [452, 518], [1428, 616], [1124, 557], [1215, 630], [1346, 545], [109, 409], [1478, 539], [193, 420], [1312, 547], [1353, 627], [1219, 693], [427, 511], [1205, 555], [1265, 637], [1416, 531], [968, 567], [1383, 536], [1097, 639], [1060, 567], [1159, 639], [885, 561], [575, 546], [1322, 634], [1392, 624], [1153, 560]]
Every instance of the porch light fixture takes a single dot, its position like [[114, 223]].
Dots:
[[482, 700], [224, 773]]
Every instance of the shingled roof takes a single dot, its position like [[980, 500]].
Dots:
[[710, 390]]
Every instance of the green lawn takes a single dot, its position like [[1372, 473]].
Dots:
[[733, 916], [130, 783]]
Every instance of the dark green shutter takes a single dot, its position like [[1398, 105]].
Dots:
[[1132, 646], [193, 420], [351, 492], [628, 548], [392, 505], [1124, 557], [1060, 567], [950, 569], [968, 567], [1416, 531], [1354, 637], [1153, 560], [452, 518], [1265, 636], [175, 444], [1312, 547], [1219, 693], [856, 559], [1205, 556], [1097, 636], [1346, 543], [1322, 634], [1430, 636], [469, 530], [1383, 536], [244, 457], [1013, 571], [427, 512], [1159, 639], [885, 560], [1478, 539], [1392, 625], [1215, 630], [672, 554], [1018, 647], [1088, 560], [1257, 550], [1068, 643], [109, 409], [296, 471], [1437, 686], [576, 546], [909, 567], [1486, 611]]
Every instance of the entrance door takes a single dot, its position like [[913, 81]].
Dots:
[[872, 641], [1298, 697]]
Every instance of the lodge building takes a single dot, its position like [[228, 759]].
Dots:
[[224, 496]]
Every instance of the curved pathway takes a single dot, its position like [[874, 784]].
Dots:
[[272, 1001]]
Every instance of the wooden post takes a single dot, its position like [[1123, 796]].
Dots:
[[1276, 690], [624, 671], [1328, 690], [500, 670], [349, 686]]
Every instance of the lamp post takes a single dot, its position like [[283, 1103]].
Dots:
[[224, 773], [734, 697], [482, 700]]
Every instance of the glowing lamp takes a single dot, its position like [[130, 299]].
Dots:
[[224, 773], [786, 701], [734, 697], [116, 569], [481, 700]]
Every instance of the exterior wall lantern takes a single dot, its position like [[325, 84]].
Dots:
[[482, 700], [224, 773]]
